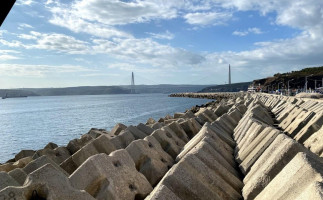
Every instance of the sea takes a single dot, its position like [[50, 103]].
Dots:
[[33, 122]]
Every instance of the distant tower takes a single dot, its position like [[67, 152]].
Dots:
[[229, 75], [133, 84]]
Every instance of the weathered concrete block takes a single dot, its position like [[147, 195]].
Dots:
[[169, 142], [311, 127], [192, 179], [290, 118], [179, 131], [7, 167], [51, 145], [76, 144], [39, 162], [19, 175], [150, 121], [95, 133], [117, 129], [100, 145], [214, 140], [270, 163], [188, 128], [6, 180], [178, 115], [150, 160], [138, 134], [284, 113], [252, 142], [111, 176], [122, 140], [299, 122], [313, 192], [256, 153], [224, 137], [260, 113], [204, 118], [157, 125], [303, 168], [58, 155], [146, 129], [236, 116], [161, 192], [49, 184], [215, 163], [24, 154], [315, 142], [221, 109], [209, 114]]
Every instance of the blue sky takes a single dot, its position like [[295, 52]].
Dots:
[[53, 43]]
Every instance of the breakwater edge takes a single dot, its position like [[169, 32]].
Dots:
[[253, 146]]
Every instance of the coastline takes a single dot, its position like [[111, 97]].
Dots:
[[231, 146]]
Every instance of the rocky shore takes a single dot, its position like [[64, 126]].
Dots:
[[243, 146]]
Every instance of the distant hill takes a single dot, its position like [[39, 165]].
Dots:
[[234, 87], [296, 78], [100, 90]]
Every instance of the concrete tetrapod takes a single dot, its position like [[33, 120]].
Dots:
[[303, 168], [49, 183], [150, 159], [270, 163], [111, 177]]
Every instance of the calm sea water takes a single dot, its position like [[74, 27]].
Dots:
[[30, 123]]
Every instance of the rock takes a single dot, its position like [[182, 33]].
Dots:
[[112, 177]]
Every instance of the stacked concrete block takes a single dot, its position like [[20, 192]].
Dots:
[[111, 176], [315, 142], [76, 144], [269, 164], [312, 126], [205, 170], [144, 128], [117, 129], [47, 183], [150, 159], [101, 144], [169, 142], [7, 167], [301, 172]]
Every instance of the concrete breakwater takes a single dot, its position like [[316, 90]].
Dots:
[[241, 147], [219, 96]]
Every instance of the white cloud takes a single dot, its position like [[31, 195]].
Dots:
[[50, 41], [23, 26], [207, 18], [8, 55], [163, 36], [24, 2], [21, 70], [62, 17], [253, 30], [147, 51]]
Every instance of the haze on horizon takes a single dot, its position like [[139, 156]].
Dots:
[[55, 43]]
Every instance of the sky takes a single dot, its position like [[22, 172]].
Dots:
[[59, 43]]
